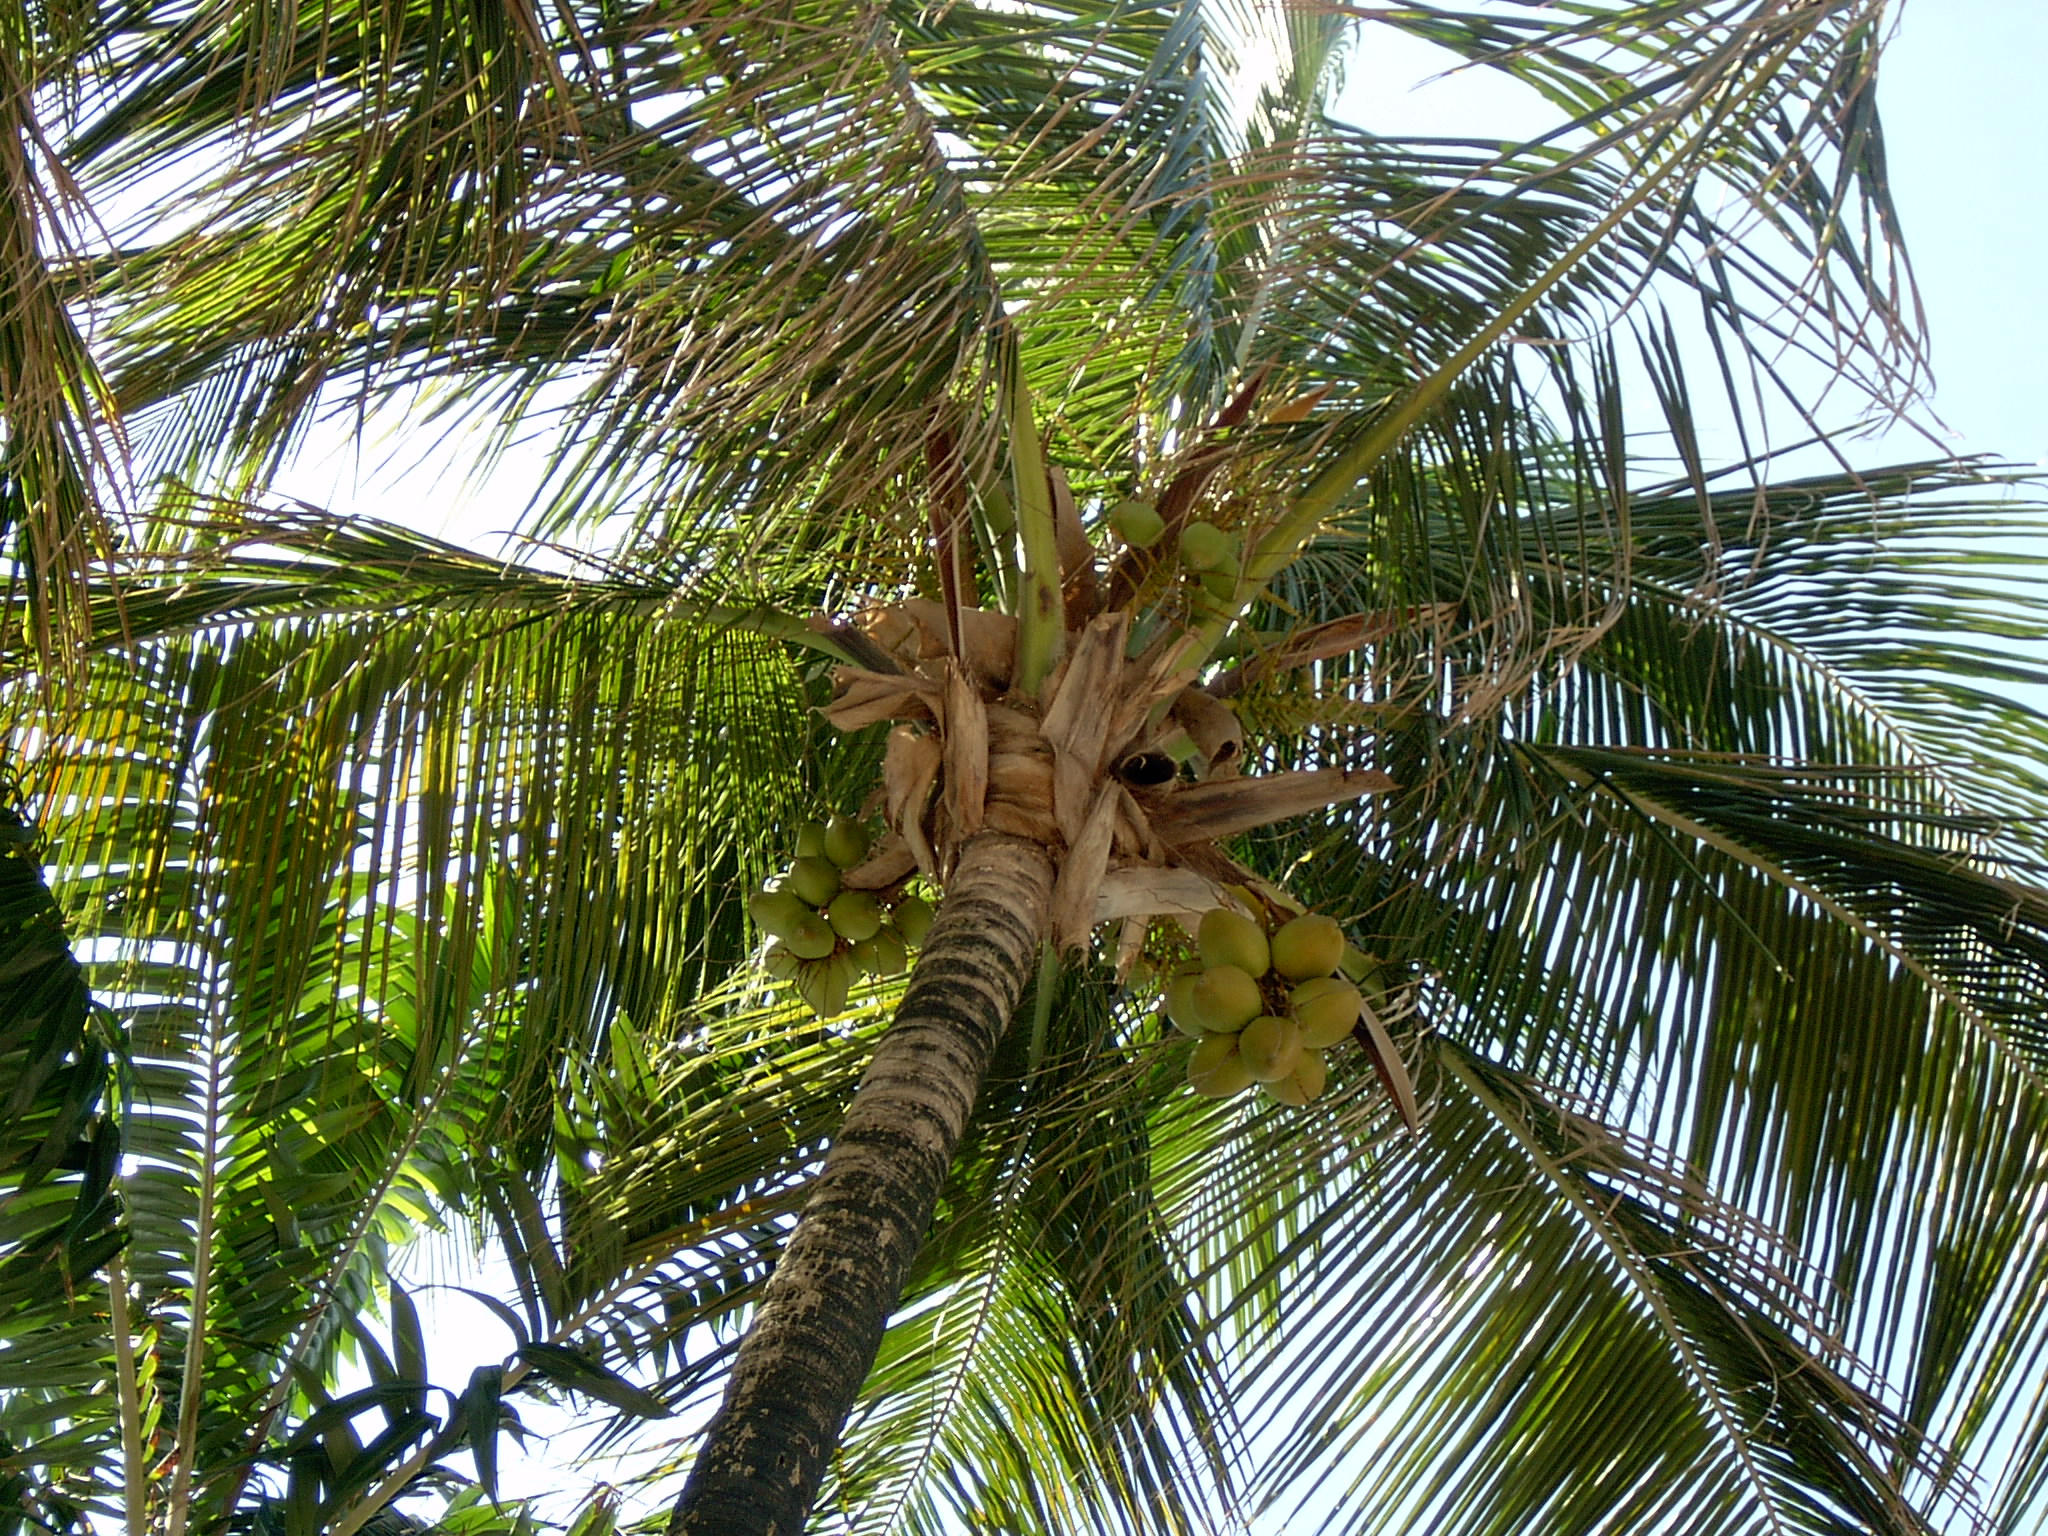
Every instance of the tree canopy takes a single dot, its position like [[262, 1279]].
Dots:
[[364, 885]]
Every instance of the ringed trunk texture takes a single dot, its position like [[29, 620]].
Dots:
[[823, 1310]]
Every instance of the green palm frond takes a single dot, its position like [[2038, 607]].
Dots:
[[1733, 880], [1623, 1033], [1631, 1351], [60, 1421], [1047, 1318], [415, 881], [59, 489], [336, 927], [745, 271]]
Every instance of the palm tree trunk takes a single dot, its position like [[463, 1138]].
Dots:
[[823, 1310]]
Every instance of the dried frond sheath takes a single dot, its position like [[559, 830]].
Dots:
[[890, 862], [1081, 874], [966, 753], [864, 697], [895, 629], [1079, 717], [1204, 812], [1023, 778], [1078, 581], [988, 640], [1138, 891], [1011, 730], [1299, 408], [1132, 815], [909, 768], [1213, 727], [1379, 1046], [851, 643]]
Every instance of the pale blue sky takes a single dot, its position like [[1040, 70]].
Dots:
[[1965, 110], [1965, 107]]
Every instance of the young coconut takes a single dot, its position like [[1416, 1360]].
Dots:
[[1223, 1000], [810, 840], [1181, 1007], [824, 985], [1215, 1070], [777, 912], [845, 842], [1304, 1083], [913, 919], [1270, 1047], [1325, 1008], [892, 957], [814, 878], [1204, 546], [1137, 522], [811, 939], [1311, 945], [1229, 938], [780, 961], [856, 915]]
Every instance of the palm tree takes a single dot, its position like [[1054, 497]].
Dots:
[[1680, 1174]]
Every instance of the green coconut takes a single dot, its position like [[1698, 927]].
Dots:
[[1230, 938], [1301, 1085], [856, 915], [913, 919], [814, 878], [777, 912], [1311, 945], [780, 961], [811, 939], [1205, 547], [1223, 1000], [825, 984], [1137, 522], [846, 841], [1325, 1008], [1181, 1008], [1215, 1070], [810, 840], [892, 958], [1270, 1046]]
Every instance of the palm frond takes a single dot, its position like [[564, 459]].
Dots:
[[60, 1224]]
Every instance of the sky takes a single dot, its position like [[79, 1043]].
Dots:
[[1966, 118], [1965, 115]]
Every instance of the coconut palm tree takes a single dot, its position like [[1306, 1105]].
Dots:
[[1046, 433]]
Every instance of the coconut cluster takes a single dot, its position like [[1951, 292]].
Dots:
[[1210, 556], [826, 937], [1263, 1007]]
